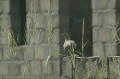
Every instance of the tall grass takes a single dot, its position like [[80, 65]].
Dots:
[[10, 41], [83, 39], [48, 32], [49, 35], [31, 28]]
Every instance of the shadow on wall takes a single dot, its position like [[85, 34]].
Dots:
[[71, 14], [18, 20], [118, 18], [80, 9]]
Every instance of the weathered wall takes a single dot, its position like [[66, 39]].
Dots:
[[100, 16], [28, 63], [4, 19], [92, 67], [103, 22], [36, 55]]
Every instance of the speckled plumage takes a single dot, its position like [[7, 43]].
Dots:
[[68, 44]]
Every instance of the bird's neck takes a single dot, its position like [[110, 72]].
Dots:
[[67, 38]]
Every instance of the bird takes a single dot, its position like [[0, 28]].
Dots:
[[68, 44]]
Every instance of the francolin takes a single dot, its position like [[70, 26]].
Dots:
[[68, 44]]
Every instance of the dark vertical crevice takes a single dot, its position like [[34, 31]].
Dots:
[[63, 26], [118, 18], [108, 70], [23, 21], [80, 9], [18, 19]]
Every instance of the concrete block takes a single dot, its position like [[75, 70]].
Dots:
[[103, 4], [97, 18], [35, 20], [56, 68], [100, 4], [44, 5], [98, 50], [67, 68], [33, 6], [10, 53], [112, 4], [6, 54], [29, 53], [53, 21], [111, 50], [109, 18], [104, 35], [6, 6], [112, 34], [47, 70], [19, 53], [41, 52], [54, 5], [3, 39], [56, 36], [35, 37], [1, 7], [47, 37], [95, 66], [4, 70], [43, 38], [25, 68], [114, 68], [36, 67], [5, 21], [95, 35], [14, 69], [55, 52]]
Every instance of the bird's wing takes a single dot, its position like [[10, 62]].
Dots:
[[73, 43], [68, 44]]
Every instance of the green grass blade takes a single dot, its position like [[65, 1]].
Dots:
[[0, 77], [87, 75], [46, 65]]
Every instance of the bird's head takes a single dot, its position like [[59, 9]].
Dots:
[[66, 36]]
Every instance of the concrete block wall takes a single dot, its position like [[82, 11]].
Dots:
[[98, 67], [31, 61], [103, 22], [26, 62], [37, 13], [38, 32], [4, 19]]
